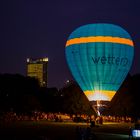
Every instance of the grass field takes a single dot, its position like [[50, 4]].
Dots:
[[44, 130]]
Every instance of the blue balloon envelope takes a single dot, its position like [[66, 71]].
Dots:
[[99, 57]]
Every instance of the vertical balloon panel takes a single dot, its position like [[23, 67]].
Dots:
[[99, 57]]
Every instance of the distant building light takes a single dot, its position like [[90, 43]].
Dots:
[[67, 81], [28, 59], [45, 59], [37, 68]]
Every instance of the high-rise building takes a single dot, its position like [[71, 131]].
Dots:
[[37, 68]]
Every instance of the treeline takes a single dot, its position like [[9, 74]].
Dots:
[[126, 101], [24, 95]]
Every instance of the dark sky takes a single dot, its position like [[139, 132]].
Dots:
[[39, 28]]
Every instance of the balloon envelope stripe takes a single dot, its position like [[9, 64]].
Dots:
[[100, 39]]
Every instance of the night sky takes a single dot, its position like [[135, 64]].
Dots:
[[40, 28]]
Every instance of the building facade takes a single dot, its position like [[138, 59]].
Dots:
[[38, 68]]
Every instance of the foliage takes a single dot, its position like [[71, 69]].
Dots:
[[126, 101], [18, 93], [74, 100], [49, 99], [24, 95]]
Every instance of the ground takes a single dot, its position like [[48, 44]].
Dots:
[[44, 130]]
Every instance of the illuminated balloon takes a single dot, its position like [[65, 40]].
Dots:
[[99, 57]]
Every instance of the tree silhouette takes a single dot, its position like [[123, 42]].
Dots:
[[126, 100], [17, 92], [74, 100]]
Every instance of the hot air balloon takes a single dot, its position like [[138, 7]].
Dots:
[[99, 57]]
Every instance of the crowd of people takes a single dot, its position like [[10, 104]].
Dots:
[[34, 116], [59, 117]]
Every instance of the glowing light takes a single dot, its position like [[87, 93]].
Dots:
[[105, 95], [136, 133], [28, 59], [45, 59]]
